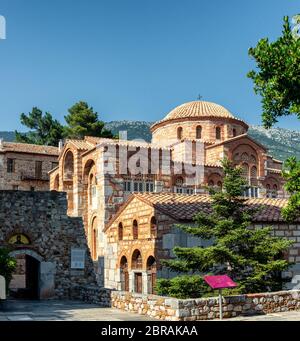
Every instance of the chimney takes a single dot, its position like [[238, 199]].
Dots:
[[60, 145]]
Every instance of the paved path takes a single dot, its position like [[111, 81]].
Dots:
[[284, 316], [78, 311], [63, 311]]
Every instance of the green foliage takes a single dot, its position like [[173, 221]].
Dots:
[[182, 287], [83, 121], [277, 77], [44, 129], [252, 257], [291, 173], [7, 265]]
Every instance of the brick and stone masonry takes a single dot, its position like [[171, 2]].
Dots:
[[42, 218]]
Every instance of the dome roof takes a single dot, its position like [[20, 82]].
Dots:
[[198, 109]]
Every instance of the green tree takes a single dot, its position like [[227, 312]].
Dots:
[[291, 173], [277, 81], [83, 121], [277, 78], [7, 265], [44, 129], [252, 257]]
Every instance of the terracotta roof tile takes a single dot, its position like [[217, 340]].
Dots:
[[197, 109], [28, 148], [184, 207]]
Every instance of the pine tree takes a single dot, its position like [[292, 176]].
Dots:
[[83, 121], [44, 129], [251, 257]]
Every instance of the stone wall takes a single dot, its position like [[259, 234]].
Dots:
[[172, 309], [42, 218], [165, 308], [23, 177]]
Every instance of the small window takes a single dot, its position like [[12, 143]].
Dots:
[[218, 133], [135, 229], [198, 132], [153, 227], [15, 187], [234, 132], [211, 183], [179, 133], [190, 191], [149, 187], [10, 165], [38, 169], [127, 186], [54, 165], [32, 189], [120, 231]]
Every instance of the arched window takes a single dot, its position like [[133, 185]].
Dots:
[[245, 157], [236, 157], [234, 132], [124, 274], [253, 172], [56, 183], [179, 133], [69, 166], [252, 159], [151, 273], [93, 236], [153, 227], [219, 184], [198, 132], [137, 262], [245, 170], [211, 183], [91, 188], [275, 191], [120, 231], [218, 133], [135, 229]]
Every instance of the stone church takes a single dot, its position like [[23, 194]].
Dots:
[[103, 178]]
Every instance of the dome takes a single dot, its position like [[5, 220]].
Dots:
[[198, 109]]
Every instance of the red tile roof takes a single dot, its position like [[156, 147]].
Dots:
[[183, 207], [28, 148]]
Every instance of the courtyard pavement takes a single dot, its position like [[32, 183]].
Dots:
[[18, 310], [53, 310]]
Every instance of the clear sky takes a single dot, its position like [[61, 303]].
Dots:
[[133, 59]]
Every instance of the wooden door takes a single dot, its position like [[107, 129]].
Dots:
[[138, 279]]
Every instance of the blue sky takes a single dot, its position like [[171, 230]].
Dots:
[[133, 59]]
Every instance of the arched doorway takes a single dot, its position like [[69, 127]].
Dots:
[[124, 274], [25, 283], [151, 274], [136, 265]]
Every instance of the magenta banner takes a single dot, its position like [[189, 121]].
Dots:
[[220, 282]]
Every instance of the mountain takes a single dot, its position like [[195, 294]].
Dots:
[[135, 129], [7, 135], [281, 143]]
